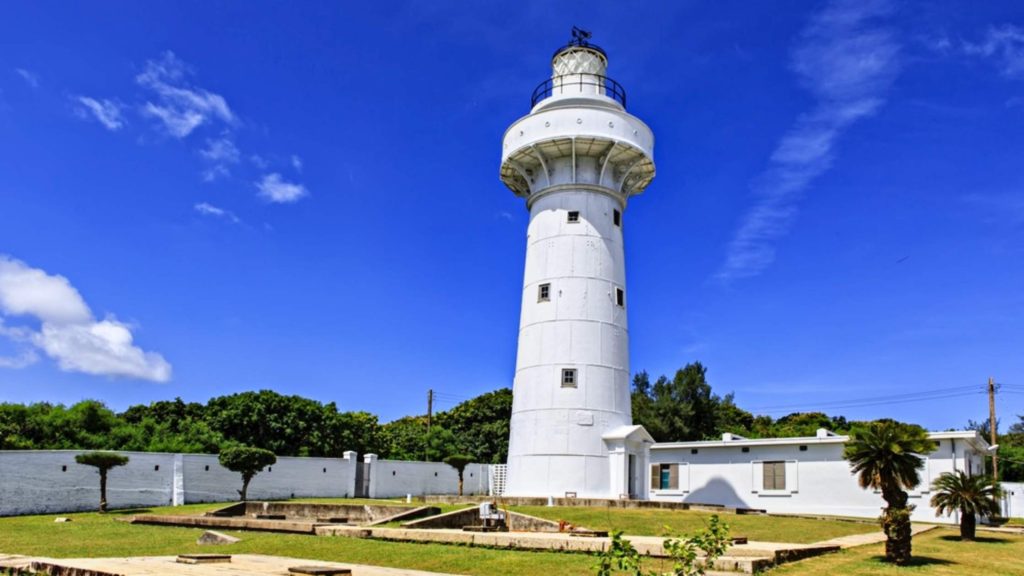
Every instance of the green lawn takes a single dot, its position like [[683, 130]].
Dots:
[[96, 535], [652, 522], [936, 553]]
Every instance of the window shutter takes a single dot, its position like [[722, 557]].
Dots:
[[780, 475], [655, 477], [768, 479], [673, 476]]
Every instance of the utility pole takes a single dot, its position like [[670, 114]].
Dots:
[[992, 426], [430, 408]]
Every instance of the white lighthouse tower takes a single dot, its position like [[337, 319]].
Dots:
[[576, 158]]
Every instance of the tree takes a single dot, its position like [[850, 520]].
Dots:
[[972, 496], [459, 462], [679, 409], [481, 426], [247, 461], [103, 462], [886, 455]]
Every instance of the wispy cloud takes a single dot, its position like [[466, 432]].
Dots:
[[68, 332], [1005, 44], [207, 209], [296, 163], [106, 112], [848, 60], [220, 153], [30, 78], [274, 188], [180, 106]]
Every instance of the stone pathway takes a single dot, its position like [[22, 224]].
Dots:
[[855, 540]]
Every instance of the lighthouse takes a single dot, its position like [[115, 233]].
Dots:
[[576, 159]]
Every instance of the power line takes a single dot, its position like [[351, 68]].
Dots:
[[935, 394]]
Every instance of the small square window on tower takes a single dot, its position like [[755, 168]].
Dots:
[[568, 377], [617, 217], [620, 297], [574, 216], [544, 293]]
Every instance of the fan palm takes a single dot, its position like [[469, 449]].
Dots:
[[972, 496], [886, 456]]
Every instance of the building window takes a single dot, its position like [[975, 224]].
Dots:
[[617, 217], [568, 378], [774, 475], [693, 450], [544, 293], [156, 468], [574, 216], [803, 448], [665, 477], [620, 297], [745, 449]]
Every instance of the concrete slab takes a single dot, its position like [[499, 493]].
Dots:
[[240, 565]]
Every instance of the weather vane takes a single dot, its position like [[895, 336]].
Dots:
[[579, 36]]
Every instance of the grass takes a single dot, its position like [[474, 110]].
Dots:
[[939, 553], [96, 535], [652, 522], [936, 553]]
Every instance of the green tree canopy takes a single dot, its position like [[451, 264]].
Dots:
[[247, 461], [971, 496]]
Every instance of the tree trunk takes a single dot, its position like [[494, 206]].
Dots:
[[103, 490], [460, 484], [896, 525], [245, 487], [968, 523]]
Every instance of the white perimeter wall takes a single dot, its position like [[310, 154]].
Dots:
[[50, 481], [395, 478], [1013, 499], [818, 480]]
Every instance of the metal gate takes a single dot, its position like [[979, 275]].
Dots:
[[362, 480]]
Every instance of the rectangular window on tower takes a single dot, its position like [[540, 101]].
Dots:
[[544, 293], [617, 217], [620, 297], [568, 378], [574, 217]]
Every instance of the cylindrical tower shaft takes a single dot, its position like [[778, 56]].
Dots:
[[575, 158]]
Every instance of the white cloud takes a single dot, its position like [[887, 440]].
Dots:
[[106, 112], [207, 209], [30, 78], [1005, 44], [179, 106], [220, 152], [848, 61], [275, 189], [68, 332], [296, 163]]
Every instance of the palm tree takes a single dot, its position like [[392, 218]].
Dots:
[[886, 456], [972, 496]]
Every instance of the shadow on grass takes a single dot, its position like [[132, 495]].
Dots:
[[918, 561], [129, 511], [979, 539]]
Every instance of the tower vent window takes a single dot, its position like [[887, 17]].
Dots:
[[568, 378], [574, 217], [544, 293], [617, 217], [620, 297]]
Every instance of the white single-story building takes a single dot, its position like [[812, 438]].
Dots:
[[796, 475]]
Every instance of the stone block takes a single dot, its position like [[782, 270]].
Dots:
[[212, 537]]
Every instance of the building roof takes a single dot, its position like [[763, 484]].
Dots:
[[636, 433], [972, 437]]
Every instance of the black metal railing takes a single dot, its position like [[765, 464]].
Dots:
[[575, 84]]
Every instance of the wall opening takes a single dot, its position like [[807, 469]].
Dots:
[[568, 377], [544, 293]]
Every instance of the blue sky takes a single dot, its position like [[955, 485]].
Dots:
[[202, 198]]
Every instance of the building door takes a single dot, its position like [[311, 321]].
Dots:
[[632, 476]]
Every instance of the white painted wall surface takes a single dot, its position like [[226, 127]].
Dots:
[[818, 480], [396, 478], [32, 482], [205, 480], [35, 482], [1013, 499]]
